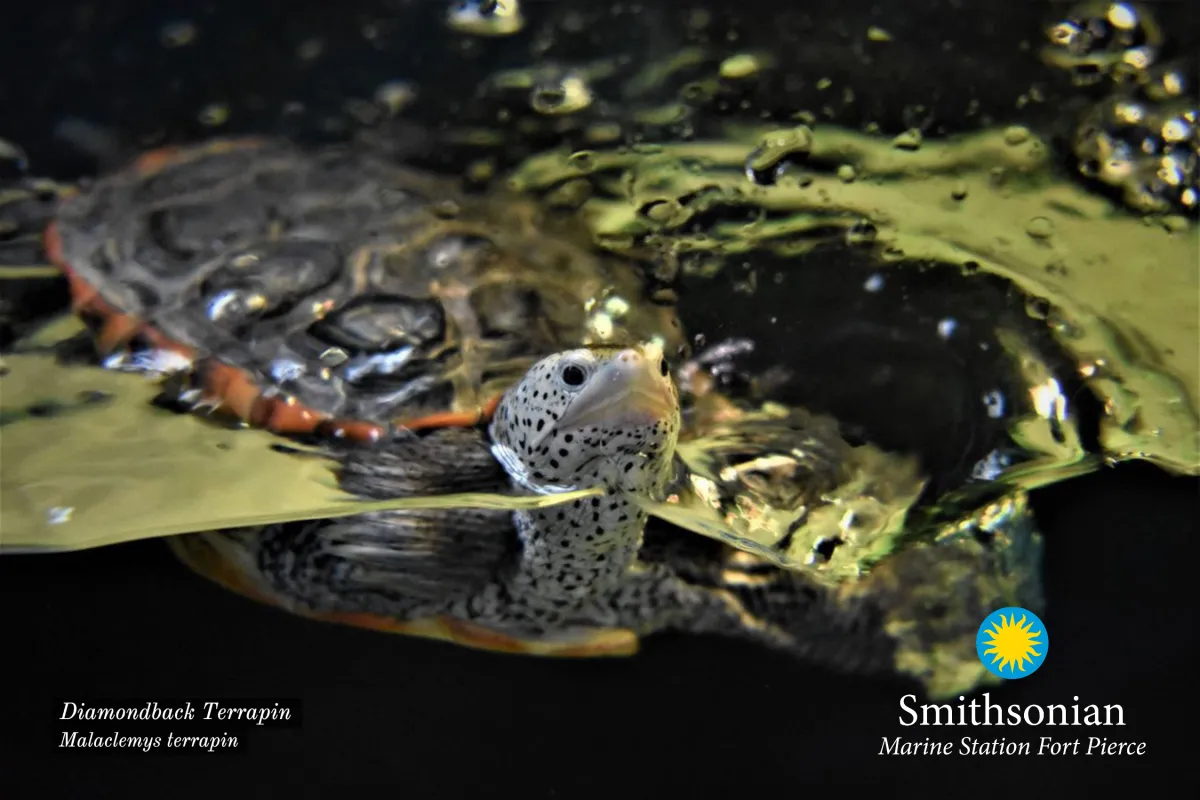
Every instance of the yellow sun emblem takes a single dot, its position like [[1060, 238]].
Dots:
[[1012, 643]]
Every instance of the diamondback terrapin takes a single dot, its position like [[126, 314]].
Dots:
[[443, 342]]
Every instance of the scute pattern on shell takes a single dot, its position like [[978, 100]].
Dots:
[[362, 289]]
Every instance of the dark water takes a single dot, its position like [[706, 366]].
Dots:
[[688, 716]]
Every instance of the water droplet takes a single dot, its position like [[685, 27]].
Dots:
[[994, 402], [1040, 228], [874, 283], [214, 114], [846, 173], [1099, 38], [59, 515], [485, 17], [178, 34], [10, 152], [945, 327], [480, 172], [366, 113], [875, 34], [740, 67], [748, 285], [285, 370], [582, 160], [696, 92], [775, 149], [334, 356], [909, 140], [245, 260], [570, 194], [446, 209], [861, 234], [310, 49], [565, 95], [1175, 223], [603, 132], [1037, 307], [395, 96], [1016, 134], [662, 211]]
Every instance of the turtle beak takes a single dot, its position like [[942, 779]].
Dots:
[[630, 390]]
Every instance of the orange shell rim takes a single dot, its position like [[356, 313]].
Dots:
[[228, 390]]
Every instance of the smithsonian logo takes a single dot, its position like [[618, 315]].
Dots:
[[1012, 644]]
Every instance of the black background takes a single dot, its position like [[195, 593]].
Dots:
[[423, 719]]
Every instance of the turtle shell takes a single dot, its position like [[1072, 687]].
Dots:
[[331, 291]]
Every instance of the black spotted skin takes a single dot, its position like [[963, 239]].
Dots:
[[575, 550]]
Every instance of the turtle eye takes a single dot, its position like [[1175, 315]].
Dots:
[[663, 367], [573, 375]]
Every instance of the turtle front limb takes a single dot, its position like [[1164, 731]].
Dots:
[[654, 599]]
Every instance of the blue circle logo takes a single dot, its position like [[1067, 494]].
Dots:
[[1012, 643]]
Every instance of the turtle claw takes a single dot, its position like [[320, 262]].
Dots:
[[207, 405]]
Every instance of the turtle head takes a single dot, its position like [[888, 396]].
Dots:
[[597, 416]]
